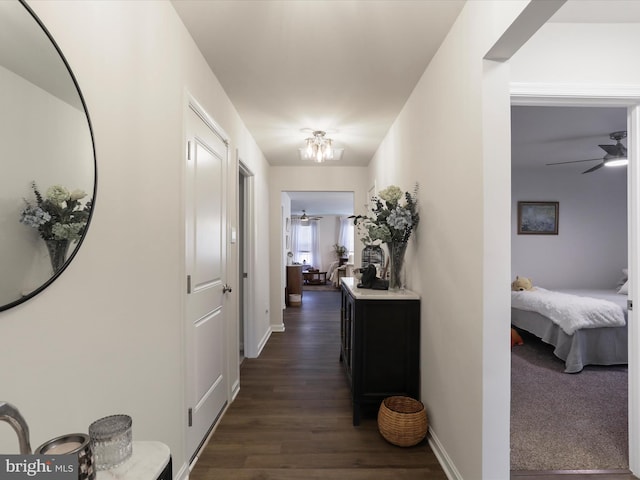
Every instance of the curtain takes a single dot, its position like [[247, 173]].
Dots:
[[345, 234], [316, 257], [295, 239]]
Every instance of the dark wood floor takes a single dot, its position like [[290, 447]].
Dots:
[[292, 417]]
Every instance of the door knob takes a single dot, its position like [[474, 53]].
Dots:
[[226, 288]]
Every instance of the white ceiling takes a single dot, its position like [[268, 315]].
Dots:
[[346, 67], [541, 135], [598, 11], [322, 203]]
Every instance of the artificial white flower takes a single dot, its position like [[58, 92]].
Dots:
[[57, 194], [77, 195]]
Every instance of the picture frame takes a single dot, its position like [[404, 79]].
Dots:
[[538, 218]]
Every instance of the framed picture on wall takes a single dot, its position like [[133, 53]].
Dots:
[[538, 218]]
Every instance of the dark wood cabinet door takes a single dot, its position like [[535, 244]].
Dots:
[[380, 349]]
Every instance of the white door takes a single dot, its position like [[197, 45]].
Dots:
[[205, 267]]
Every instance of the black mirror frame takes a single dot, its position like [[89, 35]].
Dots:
[[95, 169]]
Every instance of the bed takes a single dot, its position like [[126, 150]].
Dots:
[[582, 343]]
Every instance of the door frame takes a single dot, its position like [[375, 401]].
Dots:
[[610, 96], [249, 284]]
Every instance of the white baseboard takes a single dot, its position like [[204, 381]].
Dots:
[[206, 440], [183, 473], [277, 328], [445, 461], [235, 389], [263, 342]]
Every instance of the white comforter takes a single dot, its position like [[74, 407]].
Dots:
[[569, 312]]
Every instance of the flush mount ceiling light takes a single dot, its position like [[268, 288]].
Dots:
[[319, 148]]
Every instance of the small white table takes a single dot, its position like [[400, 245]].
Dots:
[[148, 461]]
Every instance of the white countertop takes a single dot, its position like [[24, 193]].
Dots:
[[147, 461], [371, 294]]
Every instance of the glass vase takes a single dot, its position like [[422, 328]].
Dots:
[[57, 253], [396, 265]]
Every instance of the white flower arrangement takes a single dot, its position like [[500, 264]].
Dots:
[[58, 215], [393, 219]]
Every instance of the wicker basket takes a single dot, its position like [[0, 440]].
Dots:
[[402, 421]]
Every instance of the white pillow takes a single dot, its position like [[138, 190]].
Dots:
[[624, 289], [625, 277]]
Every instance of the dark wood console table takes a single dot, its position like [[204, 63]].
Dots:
[[314, 277], [380, 344]]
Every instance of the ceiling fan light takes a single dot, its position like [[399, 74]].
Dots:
[[616, 162]]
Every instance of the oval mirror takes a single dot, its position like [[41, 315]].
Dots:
[[48, 179]]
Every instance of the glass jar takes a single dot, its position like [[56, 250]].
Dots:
[[111, 441]]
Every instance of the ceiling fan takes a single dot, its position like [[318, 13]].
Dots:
[[304, 218], [615, 155]]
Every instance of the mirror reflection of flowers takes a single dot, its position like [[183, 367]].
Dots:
[[394, 216], [59, 215]]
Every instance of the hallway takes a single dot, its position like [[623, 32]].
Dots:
[[292, 417]]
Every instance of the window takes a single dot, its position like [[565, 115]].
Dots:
[[305, 245], [346, 235]]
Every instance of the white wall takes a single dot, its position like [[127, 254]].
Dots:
[[574, 54], [440, 140], [328, 230], [106, 337], [590, 249]]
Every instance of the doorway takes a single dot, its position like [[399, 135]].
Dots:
[[242, 273], [246, 246], [629, 110], [314, 224]]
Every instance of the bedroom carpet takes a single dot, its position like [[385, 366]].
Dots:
[[563, 421]]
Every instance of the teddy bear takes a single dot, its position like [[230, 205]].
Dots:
[[516, 339], [521, 284]]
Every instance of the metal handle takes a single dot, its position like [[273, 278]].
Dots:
[[226, 288]]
